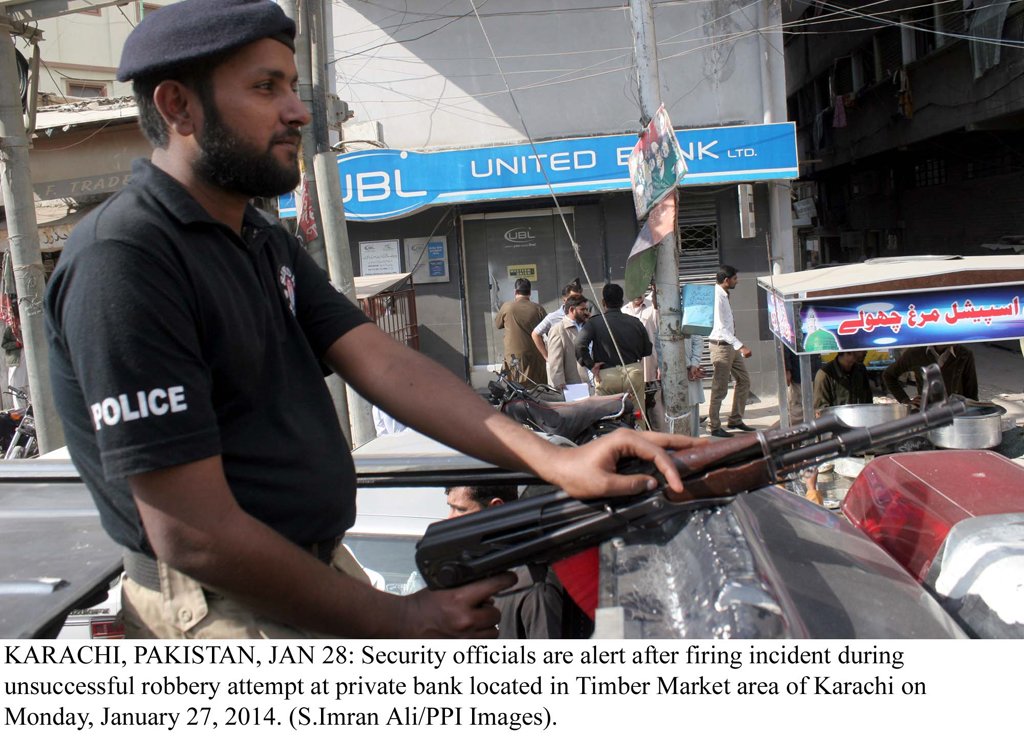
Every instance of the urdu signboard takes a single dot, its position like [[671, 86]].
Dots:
[[882, 321], [381, 184]]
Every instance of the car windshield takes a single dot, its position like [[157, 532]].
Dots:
[[391, 557]]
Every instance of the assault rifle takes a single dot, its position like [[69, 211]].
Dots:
[[544, 529]]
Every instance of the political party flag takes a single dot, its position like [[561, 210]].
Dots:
[[640, 264]]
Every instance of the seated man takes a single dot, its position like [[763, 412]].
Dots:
[[842, 381], [537, 606], [956, 362]]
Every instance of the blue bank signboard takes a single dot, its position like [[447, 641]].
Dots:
[[380, 184]]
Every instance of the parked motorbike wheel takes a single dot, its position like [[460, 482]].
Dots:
[[22, 442]]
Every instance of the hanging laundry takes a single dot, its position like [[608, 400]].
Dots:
[[904, 98], [839, 116]]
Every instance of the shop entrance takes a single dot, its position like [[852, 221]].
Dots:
[[499, 248]]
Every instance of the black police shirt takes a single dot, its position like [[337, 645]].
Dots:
[[172, 339]]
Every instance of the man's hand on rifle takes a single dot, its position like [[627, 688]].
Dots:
[[589, 471]]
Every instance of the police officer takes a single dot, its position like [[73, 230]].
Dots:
[[188, 334]]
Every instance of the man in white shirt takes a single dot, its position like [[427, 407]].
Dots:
[[728, 356], [643, 309]]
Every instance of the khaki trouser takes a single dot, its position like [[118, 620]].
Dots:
[[184, 610], [619, 379], [727, 362]]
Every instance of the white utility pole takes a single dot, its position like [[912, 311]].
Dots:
[[324, 187], [671, 341], [332, 209], [296, 10], [29, 276]]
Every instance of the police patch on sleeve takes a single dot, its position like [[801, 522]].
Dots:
[[128, 407], [287, 279]]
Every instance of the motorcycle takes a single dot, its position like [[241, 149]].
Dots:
[[18, 429], [580, 422]]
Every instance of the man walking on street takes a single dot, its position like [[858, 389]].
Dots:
[[728, 356], [518, 317], [188, 335], [563, 369], [614, 373]]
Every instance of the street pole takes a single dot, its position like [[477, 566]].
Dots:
[[296, 10], [681, 416], [781, 249], [332, 209], [29, 276]]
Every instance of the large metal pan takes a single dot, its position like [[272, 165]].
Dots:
[[867, 415], [980, 427]]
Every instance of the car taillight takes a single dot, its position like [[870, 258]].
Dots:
[[908, 502], [110, 630]]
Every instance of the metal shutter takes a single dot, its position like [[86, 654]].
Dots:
[[698, 243]]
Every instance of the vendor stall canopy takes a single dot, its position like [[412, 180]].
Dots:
[[898, 302]]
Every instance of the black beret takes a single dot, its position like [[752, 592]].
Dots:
[[184, 32]]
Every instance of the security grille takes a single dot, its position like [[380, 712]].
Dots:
[[698, 244]]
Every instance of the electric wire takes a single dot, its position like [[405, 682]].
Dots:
[[787, 29], [639, 397]]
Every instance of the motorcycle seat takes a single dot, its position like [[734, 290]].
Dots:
[[569, 419]]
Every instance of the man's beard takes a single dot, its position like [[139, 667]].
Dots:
[[236, 166]]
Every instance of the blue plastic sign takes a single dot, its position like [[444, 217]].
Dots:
[[380, 184], [698, 302]]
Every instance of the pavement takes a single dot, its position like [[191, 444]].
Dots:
[[1000, 367]]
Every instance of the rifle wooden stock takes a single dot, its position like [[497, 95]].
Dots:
[[719, 469]]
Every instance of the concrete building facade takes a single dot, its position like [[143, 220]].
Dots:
[[909, 117], [80, 50]]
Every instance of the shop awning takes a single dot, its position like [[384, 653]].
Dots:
[[85, 149], [368, 286], [887, 275]]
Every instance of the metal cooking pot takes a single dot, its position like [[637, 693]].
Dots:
[[981, 427], [867, 415]]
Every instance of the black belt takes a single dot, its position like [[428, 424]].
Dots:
[[143, 570], [719, 342]]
